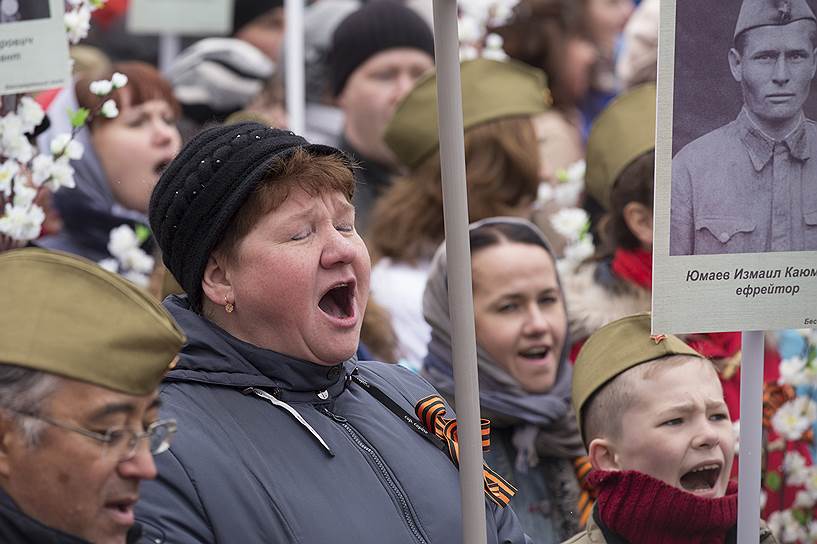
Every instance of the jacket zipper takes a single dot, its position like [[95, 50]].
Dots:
[[362, 444]]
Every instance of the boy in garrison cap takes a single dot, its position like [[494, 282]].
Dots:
[[82, 352], [751, 185], [652, 416]]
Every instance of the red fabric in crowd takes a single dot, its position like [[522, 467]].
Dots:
[[634, 265], [644, 510]]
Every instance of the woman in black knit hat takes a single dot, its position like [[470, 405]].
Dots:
[[283, 435]]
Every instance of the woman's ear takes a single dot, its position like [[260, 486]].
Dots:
[[638, 218], [215, 283], [602, 455]]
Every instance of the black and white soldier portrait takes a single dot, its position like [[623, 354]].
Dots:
[[12, 11], [748, 185]]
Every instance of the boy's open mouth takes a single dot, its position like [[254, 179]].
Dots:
[[701, 478], [337, 301]]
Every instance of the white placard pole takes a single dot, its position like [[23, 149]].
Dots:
[[170, 45], [458, 252], [295, 83], [751, 428]]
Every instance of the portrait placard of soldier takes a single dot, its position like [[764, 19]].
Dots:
[[12, 11], [744, 143]]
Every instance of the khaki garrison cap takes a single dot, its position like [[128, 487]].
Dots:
[[614, 348], [490, 90], [754, 13], [65, 315], [621, 133]]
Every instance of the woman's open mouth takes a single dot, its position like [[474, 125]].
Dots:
[[701, 479], [536, 354], [339, 301]]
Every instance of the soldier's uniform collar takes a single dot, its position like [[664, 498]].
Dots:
[[761, 146]]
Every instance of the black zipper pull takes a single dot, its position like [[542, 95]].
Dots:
[[336, 417]]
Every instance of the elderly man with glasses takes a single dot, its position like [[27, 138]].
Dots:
[[82, 352]]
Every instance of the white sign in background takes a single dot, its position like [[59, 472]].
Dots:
[[33, 47], [183, 17], [723, 292]]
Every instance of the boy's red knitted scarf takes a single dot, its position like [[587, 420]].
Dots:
[[644, 510]]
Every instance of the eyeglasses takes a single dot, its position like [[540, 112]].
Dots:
[[119, 442]]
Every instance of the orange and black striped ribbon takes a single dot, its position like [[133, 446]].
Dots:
[[587, 495], [431, 410]]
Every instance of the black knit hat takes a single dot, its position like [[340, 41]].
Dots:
[[205, 186], [377, 26], [245, 11]]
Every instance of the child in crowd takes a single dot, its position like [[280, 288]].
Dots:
[[652, 415]]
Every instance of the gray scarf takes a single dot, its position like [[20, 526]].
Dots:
[[544, 423]]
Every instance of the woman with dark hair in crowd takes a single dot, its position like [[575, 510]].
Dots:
[[284, 436], [524, 374], [550, 35], [123, 159], [503, 173]]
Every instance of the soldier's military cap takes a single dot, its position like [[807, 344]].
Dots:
[[621, 133], [490, 90], [67, 316], [615, 348], [755, 13]]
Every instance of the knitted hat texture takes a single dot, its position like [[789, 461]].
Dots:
[[375, 27], [205, 186]]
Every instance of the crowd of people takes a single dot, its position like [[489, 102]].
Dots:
[[281, 311]]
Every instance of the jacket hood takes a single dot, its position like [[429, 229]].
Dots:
[[213, 356]]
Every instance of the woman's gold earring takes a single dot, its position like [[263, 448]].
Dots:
[[228, 306]]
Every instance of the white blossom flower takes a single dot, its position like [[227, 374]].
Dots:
[[22, 223], [30, 113], [138, 261], [119, 80], [63, 144], [122, 240], [764, 497], [13, 142], [130, 260], [792, 371], [469, 30], [493, 48], [62, 175], [579, 251], [810, 482], [24, 195], [794, 465], [101, 87], [794, 418], [570, 222], [109, 264], [137, 278], [468, 52], [41, 168], [109, 109], [803, 499], [786, 528], [8, 170], [77, 23]]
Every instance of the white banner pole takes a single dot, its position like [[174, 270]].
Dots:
[[751, 428], [295, 81], [170, 45], [458, 253]]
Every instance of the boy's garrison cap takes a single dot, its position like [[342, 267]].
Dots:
[[67, 316], [614, 348]]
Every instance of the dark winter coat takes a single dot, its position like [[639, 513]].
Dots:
[[275, 449]]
